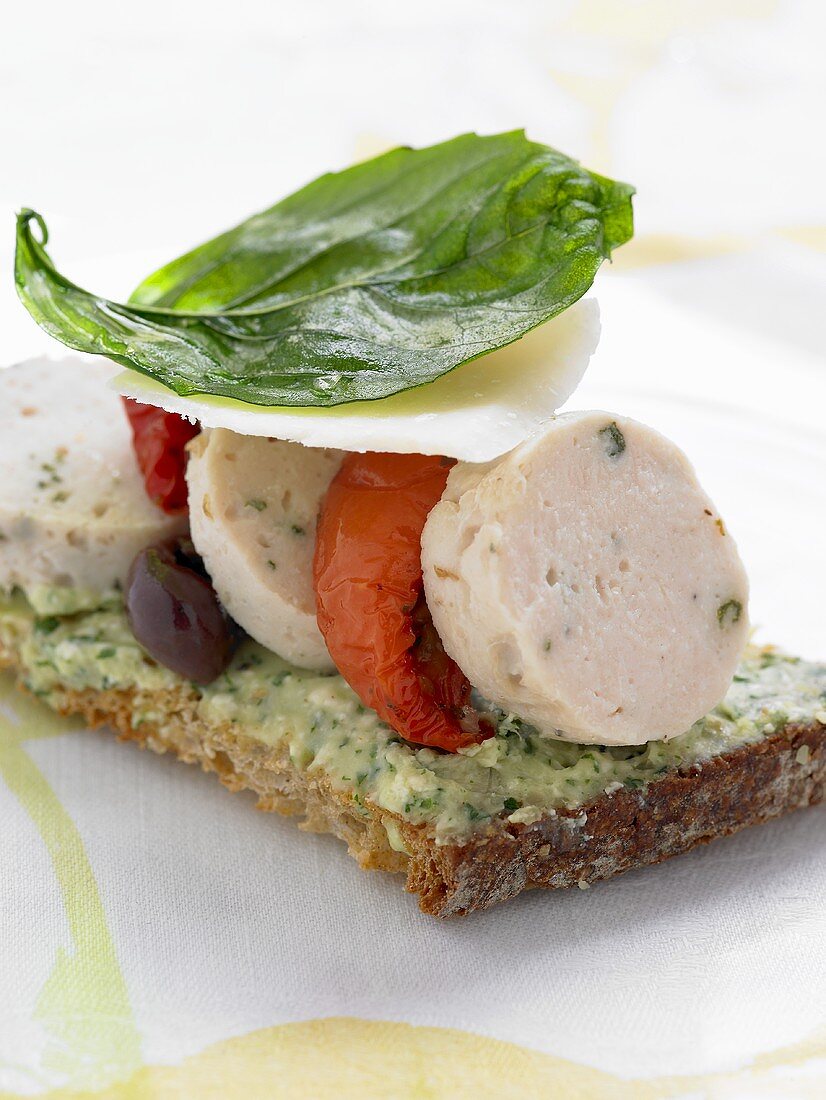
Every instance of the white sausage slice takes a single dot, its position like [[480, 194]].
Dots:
[[586, 583], [253, 505], [73, 508]]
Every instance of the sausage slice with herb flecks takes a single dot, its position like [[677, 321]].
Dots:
[[586, 582]]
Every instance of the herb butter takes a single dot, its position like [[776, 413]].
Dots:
[[327, 730]]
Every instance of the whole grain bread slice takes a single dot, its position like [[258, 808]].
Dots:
[[615, 832]]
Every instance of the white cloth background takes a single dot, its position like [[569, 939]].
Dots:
[[139, 131]]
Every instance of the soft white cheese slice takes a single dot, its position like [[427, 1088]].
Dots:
[[73, 510], [476, 412]]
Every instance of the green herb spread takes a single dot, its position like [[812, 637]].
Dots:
[[327, 729]]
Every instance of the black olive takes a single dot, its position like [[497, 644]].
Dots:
[[175, 614]]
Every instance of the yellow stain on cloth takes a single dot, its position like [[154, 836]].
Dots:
[[347, 1059], [810, 236], [652, 249], [83, 1006], [634, 38]]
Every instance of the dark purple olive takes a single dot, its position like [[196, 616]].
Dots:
[[175, 614]]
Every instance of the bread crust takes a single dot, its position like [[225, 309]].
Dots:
[[632, 828], [616, 832]]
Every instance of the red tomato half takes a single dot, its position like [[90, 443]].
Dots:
[[159, 439], [371, 607]]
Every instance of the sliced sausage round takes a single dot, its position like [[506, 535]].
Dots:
[[586, 583]]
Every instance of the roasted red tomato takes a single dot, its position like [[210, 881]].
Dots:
[[159, 439], [371, 607]]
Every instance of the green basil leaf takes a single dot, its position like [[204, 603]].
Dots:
[[364, 283]]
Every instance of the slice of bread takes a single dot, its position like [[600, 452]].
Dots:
[[616, 831]]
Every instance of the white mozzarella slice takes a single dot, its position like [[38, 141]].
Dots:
[[476, 412], [73, 509], [253, 506], [586, 583]]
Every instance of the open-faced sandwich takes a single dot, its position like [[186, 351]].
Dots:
[[321, 531]]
